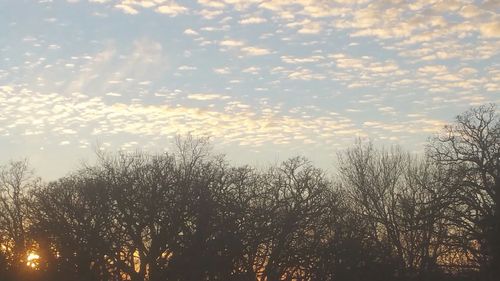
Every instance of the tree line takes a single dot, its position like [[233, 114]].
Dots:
[[386, 214]]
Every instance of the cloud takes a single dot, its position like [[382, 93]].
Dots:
[[231, 43], [187, 67], [112, 69], [77, 120], [167, 7], [127, 9], [111, 94], [212, 3], [140, 3], [247, 50], [305, 74], [189, 31], [171, 8], [310, 28], [374, 73], [252, 20], [206, 97], [470, 11], [222, 70], [255, 51], [389, 110], [369, 57], [432, 69], [491, 29], [210, 14], [306, 26], [252, 70], [299, 60]]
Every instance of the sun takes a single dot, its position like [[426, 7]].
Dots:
[[32, 260]]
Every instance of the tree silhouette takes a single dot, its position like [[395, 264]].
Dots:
[[16, 179], [470, 148], [190, 215]]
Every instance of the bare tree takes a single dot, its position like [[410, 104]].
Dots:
[[188, 215], [16, 179], [295, 201], [403, 201], [470, 148], [72, 227]]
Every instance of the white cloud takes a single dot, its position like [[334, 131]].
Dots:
[[231, 43], [252, 70], [190, 31], [222, 70], [252, 20], [305, 74], [171, 8], [306, 26], [140, 3], [297, 60], [432, 55], [212, 3], [205, 97], [433, 69], [127, 9], [210, 14], [187, 67], [310, 28], [112, 94], [255, 51]]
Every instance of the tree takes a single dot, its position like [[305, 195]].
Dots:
[[403, 202], [16, 179], [169, 213], [470, 147], [72, 225], [295, 198]]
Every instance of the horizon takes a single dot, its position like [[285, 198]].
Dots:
[[266, 80]]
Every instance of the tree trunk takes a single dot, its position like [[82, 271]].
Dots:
[[495, 243]]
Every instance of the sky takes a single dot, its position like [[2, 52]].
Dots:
[[264, 79]]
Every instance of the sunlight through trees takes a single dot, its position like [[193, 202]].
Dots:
[[386, 214]]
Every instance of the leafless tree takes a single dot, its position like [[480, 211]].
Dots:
[[403, 201], [470, 147], [16, 179], [72, 227], [295, 198], [189, 215]]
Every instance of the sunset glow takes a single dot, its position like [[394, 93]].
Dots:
[[32, 260], [249, 140]]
